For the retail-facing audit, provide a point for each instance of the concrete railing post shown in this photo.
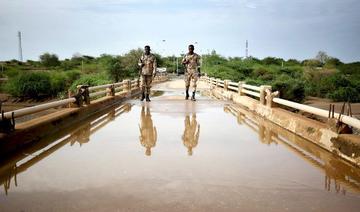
(110, 91)
(240, 87)
(270, 96)
(138, 83)
(217, 82)
(127, 86)
(70, 95)
(263, 88)
(226, 84)
(79, 96)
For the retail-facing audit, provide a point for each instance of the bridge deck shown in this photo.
(177, 155)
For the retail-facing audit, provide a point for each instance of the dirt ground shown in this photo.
(10, 103)
(324, 104)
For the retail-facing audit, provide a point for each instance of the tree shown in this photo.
(49, 60)
(322, 57)
(292, 62)
(130, 62)
(311, 63)
(333, 62)
(115, 69)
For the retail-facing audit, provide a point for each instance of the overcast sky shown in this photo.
(280, 28)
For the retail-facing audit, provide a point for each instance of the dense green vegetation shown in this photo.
(324, 76)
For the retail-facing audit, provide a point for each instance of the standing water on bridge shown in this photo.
(177, 155)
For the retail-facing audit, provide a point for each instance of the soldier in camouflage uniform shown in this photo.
(147, 64)
(192, 72)
(148, 133)
(191, 133)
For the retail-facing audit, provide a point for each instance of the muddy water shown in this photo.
(176, 155)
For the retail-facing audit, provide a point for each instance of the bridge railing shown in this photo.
(268, 97)
(83, 96)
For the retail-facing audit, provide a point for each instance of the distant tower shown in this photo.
(20, 48)
(247, 49)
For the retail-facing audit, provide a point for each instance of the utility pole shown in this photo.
(247, 49)
(177, 66)
(174, 64)
(20, 48)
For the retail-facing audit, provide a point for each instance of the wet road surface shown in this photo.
(177, 155)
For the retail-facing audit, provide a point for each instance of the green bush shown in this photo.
(272, 61)
(311, 63)
(345, 94)
(293, 71)
(290, 89)
(72, 75)
(32, 85)
(12, 72)
(224, 72)
(256, 82)
(115, 69)
(58, 83)
(90, 80)
(49, 60)
(263, 74)
(350, 68)
(89, 68)
(68, 65)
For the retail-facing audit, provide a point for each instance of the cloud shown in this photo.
(274, 27)
(251, 6)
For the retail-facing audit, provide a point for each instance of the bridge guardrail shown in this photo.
(84, 95)
(267, 97)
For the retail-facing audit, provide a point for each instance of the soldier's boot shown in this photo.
(193, 96)
(187, 94)
(147, 98)
(142, 96)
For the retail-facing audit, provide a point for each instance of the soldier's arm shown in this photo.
(198, 65)
(184, 60)
(155, 66)
(140, 63)
(197, 134)
(155, 134)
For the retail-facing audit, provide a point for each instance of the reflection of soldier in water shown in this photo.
(148, 134)
(191, 133)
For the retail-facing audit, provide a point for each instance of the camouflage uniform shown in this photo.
(191, 133)
(148, 67)
(192, 72)
(148, 134)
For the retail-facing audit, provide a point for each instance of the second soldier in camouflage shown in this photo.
(147, 63)
(192, 72)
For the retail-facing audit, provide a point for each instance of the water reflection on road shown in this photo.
(148, 133)
(338, 174)
(135, 156)
(191, 133)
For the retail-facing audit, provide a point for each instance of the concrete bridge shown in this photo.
(238, 148)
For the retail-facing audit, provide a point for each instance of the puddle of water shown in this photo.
(177, 155)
